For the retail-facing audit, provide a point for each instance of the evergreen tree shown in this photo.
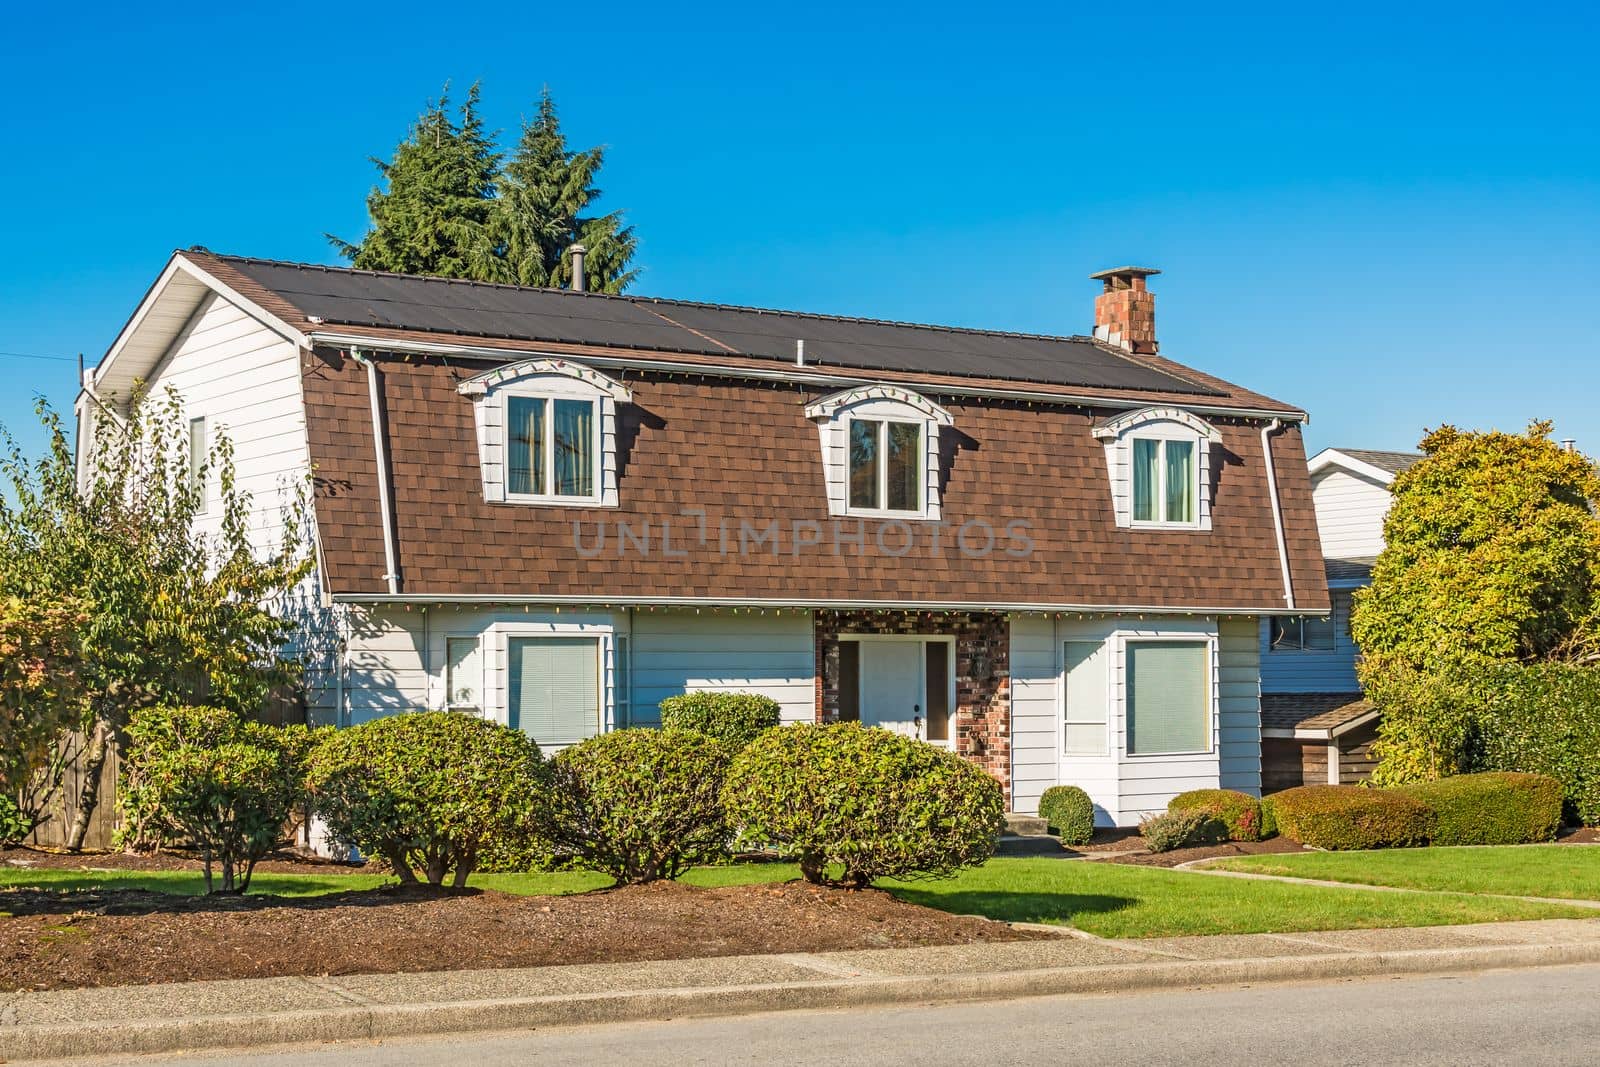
(539, 214)
(435, 216)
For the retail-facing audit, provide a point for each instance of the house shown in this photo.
(1316, 727)
(556, 508)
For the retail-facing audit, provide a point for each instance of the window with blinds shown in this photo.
(555, 688)
(1169, 697)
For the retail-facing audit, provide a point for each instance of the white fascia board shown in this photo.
(157, 292)
(1332, 457)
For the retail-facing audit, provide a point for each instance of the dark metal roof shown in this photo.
(1350, 570)
(1393, 462)
(339, 296)
(1311, 711)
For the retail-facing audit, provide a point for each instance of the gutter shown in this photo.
(343, 340)
(381, 453)
(480, 599)
(1277, 508)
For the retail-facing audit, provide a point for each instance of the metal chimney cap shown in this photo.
(581, 250)
(1131, 272)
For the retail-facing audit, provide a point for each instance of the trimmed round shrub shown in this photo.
(1495, 808)
(1352, 817)
(1240, 812)
(875, 803)
(430, 791)
(222, 783)
(642, 804)
(735, 719)
(1069, 812)
(1184, 828)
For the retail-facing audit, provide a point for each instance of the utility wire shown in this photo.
(37, 355)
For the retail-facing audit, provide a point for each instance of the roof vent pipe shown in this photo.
(799, 351)
(1569, 444)
(577, 267)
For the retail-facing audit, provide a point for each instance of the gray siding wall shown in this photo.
(1350, 511)
(679, 651)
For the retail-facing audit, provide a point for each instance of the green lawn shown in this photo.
(1102, 898)
(1567, 872)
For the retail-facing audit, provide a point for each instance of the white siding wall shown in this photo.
(679, 651)
(1035, 711)
(1125, 788)
(244, 379)
(396, 657)
(1350, 511)
(1292, 671)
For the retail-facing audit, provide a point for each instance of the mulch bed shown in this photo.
(1580, 835)
(1271, 846)
(277, 863)
(62, 940)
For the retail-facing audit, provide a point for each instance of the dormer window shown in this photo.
(1159, 463)
(880, 452)
(547, 433)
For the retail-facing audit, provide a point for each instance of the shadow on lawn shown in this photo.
(92, 896)
(1016, 907)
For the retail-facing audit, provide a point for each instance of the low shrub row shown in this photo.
(440, 795)
(1493, 808)
(1240, 813)
(1183, 828)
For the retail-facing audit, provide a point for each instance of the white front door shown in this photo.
(891, 686)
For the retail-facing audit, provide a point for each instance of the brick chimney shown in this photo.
(1125, 313)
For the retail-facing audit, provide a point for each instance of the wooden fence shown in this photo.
(57, 823)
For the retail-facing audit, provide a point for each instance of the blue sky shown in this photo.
(1388, 217)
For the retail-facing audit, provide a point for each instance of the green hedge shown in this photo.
(1352, 817)
(872, 802)
(1239, 812)
(1494, 808)
(642, 804)
(1068, 811)
(430, 791)
(1539, 718)
(735, 719)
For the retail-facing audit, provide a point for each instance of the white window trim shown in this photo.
(1208, 638)
(921, 510)
(499, 636)
(878, 403)
(549, 379)
(1161, 482)
(1158, 424)
(944, 639)
(596, 444)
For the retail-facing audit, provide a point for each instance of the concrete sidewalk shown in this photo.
(252, 1012)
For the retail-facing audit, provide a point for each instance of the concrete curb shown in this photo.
(374, 1021)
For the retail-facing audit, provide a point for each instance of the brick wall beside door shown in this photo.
(983, 674)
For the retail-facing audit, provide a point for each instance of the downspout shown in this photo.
(1277, 508)
(381, 452)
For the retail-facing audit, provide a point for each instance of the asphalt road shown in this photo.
(1522, 1017)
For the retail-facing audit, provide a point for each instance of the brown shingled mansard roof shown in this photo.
(717, 425)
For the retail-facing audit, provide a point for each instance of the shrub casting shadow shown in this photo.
(95, 898)
(1016, 907)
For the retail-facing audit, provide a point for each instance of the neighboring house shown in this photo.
(552, 508)
(1316, 727)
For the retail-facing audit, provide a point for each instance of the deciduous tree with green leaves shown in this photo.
(40, 696)
(179, 610)
(1492, 555)
(434, 217)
